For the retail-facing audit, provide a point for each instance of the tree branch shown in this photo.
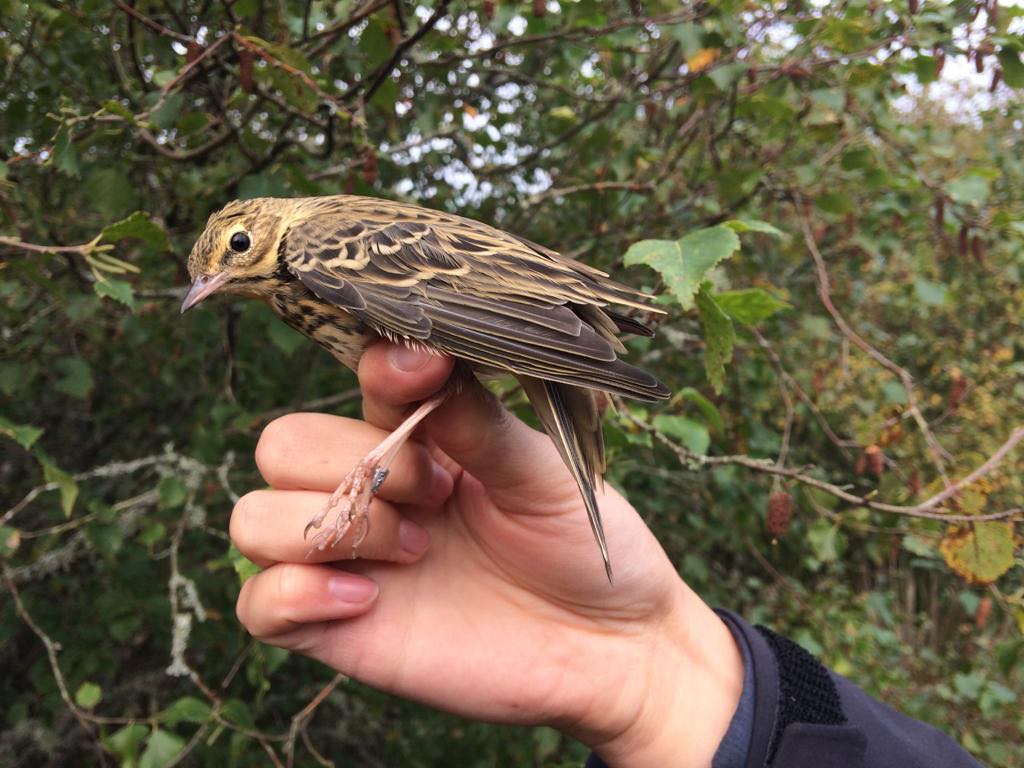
(929, 509)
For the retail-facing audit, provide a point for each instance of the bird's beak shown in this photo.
(202, 287)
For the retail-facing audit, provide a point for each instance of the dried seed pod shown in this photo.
(540, 8)
(192, 51)
(940, 211)
(940, 61)
(983, 611)
(957, 390)
(245, 62)
(997, 77)
(978, 249)
(979, 62)
(914, 483)
(488, 9)
(370, 166)
(861, 465)
(874, 461)
(913, 6)
(963, 240)
(780, 511)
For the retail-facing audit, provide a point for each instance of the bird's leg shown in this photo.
(352, 497)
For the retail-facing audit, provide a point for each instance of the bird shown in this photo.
(348, 270)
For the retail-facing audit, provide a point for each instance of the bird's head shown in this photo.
(237, 252)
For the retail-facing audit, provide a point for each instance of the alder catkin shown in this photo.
(874, 461)
(780, 512)
(245, 70)
(370, 167)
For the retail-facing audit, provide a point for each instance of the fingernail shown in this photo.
(412, 537)
(348, 588)
(408, 359)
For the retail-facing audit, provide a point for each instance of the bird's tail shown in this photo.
(569, 415)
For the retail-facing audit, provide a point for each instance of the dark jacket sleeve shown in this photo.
(805, 715)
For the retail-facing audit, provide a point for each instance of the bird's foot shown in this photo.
(351, 499)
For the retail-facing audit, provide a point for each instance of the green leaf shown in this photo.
(125, 742)
(724, 76)
(683, 263)
(752, 225)
(166, 115)
(88, 695)
(139, 226)
(23, 434)
(187, 709)
(118, 290)
(172, 491)
(65, 159)
(115, 107)
(931, 293)
(690, 433)
(824, 540)
(980, 553)
(164, 77)
(1013, 69)
(719, 338)
(75, 377)
(65, 483)
(244, 567)
(751, 305)
(284, 338)
(161, 748)
(237, 712)
(110, 192)
(705, 406)
(834, 202)
(971, 189)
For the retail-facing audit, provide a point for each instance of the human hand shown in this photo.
(479, 589)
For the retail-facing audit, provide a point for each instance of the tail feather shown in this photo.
(570, 417)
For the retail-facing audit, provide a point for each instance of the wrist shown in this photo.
(680, 686)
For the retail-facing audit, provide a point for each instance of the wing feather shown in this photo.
(468, 289)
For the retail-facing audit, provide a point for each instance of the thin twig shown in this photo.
(385, 70)
(302, 716)
(906, 380)
(599, 186)
(929, 509)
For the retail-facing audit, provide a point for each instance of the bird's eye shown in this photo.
(240, 242)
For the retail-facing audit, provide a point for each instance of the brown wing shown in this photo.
(467, 289)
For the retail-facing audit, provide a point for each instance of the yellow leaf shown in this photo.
(702, 59)
(980, 552)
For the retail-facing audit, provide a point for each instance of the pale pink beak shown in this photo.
(202, 287)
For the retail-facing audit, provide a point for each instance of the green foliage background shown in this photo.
(587, 126)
